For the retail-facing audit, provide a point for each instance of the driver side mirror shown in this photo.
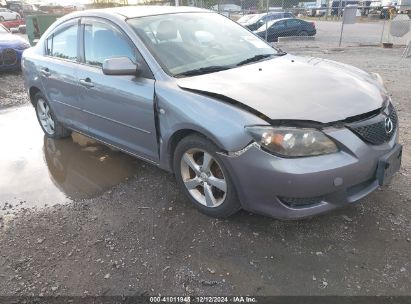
(120, 66)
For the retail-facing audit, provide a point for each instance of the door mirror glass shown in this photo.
(119, 66)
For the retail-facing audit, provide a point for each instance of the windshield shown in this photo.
(268, 25)
(245, 18)
(198, 41)
(255, 18)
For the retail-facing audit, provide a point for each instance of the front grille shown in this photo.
(377, 130)
(8, 57)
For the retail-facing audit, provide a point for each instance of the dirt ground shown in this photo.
(142, 236)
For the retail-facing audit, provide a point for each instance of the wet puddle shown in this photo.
(36, 171)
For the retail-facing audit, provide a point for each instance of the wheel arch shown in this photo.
(32, 92)
(177, 136)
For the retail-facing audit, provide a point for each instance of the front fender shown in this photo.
(221, 122)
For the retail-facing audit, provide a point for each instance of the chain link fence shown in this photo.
(375, 22)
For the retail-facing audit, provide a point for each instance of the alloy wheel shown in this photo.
(44, 114)
(203, 177)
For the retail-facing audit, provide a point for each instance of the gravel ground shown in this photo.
(142, 236)
(12, 90)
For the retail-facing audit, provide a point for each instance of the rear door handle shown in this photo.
(86, 82)
(45, 72)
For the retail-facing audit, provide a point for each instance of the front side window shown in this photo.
(185, 42)
(63, 44)
(103, 42)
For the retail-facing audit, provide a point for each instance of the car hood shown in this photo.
(294, 88)
(7, 40)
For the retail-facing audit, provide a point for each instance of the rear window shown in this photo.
(63, 44)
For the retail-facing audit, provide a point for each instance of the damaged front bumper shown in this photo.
(301, 187)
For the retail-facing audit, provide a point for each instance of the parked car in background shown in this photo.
(245, 18)
(13, 23)
(286, 27)
(29, 9)
(240, 123)
(321, 11)
(311, 9)
(256, 22)
(11, 48)
(6, 14)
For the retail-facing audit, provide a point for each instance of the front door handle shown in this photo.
(46, 72)
(87, 83)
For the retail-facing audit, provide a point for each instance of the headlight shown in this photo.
(292, 142)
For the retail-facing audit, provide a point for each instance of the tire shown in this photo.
(217, 203)
(18, 17)
(2, 19)
(303, 33)
(44, 115)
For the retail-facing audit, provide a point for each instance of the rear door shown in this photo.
(58, 73)
(294, 27)
(119, 109)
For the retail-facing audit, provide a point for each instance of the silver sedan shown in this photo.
(240, 123)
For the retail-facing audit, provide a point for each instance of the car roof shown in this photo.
(276, 20)
(147, 10)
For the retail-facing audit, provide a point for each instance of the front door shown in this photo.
(119, 109)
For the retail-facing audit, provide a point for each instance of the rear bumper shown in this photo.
(302, 187)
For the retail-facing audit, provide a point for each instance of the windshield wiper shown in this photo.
(204, 70)
(254, 59)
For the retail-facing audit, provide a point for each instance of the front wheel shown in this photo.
(2, 19)
(203, 177)
(48, 122)
(303, 33)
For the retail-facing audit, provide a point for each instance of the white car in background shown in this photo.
(6, 14)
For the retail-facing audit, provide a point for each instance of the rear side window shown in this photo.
(102, 42)
(63, 44)
(279, 25)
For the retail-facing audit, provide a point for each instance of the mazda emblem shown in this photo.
(389, 126)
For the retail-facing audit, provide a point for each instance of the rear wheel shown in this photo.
(2, 19)
(203, 177)
(18, 17)
(51, 127)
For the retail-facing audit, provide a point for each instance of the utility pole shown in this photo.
(266, 22)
